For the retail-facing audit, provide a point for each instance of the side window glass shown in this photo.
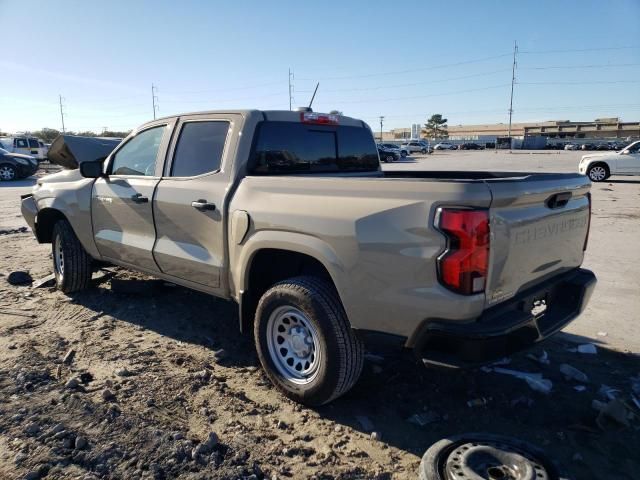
(21, 143)
(199, 149)
(138, 155)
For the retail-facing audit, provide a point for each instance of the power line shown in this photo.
(574, 50)
(563, 67)
(604, 82)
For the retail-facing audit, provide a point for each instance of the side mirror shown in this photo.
(91, 169)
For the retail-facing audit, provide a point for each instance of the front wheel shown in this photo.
(423, 151)
(598, 172)
(403, 154)
(71, 263)
(7, 172)
(389, 158)
(304, 341)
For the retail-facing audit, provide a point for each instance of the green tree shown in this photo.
(436, 126)
(47, 135)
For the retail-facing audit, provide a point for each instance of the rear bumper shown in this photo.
(508, 327)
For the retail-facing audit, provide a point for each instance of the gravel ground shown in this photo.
(160, 384)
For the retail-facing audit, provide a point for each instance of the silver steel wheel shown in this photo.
(293, 344)
(7, 172)
(597, 173)
(58, 257)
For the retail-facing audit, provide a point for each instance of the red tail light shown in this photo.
(319, 118)
(586, 239)
(464, 265)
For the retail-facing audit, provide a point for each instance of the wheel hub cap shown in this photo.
(293, 345)
(597, 173)
(492, 461)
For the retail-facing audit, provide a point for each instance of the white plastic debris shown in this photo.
(608, 392)
(579, 388)
(588, 348)
(486, 369)
(534, 380)
(543, 359)
(602, 334)
(572, 373)
(502, 361)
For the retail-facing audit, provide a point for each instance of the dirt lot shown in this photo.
(154, 373)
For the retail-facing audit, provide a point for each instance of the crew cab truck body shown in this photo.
(290, 215)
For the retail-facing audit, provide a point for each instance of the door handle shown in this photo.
(139, 198)
(201, 204)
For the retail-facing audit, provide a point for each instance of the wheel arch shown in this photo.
(271, 261)
(46, 219)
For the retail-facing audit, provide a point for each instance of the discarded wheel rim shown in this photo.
(486, 457)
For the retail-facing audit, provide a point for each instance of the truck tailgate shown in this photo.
(539, 224)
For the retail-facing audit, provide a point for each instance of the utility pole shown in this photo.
(381, 120)
(290, 88)
(513, 81)
(154, 99)
(61, 113)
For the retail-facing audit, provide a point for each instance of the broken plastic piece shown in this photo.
(572, 373)
(589, 348)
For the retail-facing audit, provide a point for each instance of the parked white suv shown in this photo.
(599, 167)
(413, 146)
(444, 146)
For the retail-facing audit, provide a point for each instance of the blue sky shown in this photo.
(406, 60)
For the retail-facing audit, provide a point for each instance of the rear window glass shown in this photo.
(33, 143)
(290, 147)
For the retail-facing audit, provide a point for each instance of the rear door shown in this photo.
(121, 203)
(539, 225)
(189, 206)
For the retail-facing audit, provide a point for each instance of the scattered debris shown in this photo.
(534, 380)
(365, 423)
(376, 436)
(422, 419)
(614, 410)
(608, 392)
(572, 373)
(48, 281)
(502, 361)
(478, 402)
(19, 278)
(543, 359)
(580, 388)
(602, 334)
(123, 372)
(107, 395)
(588, 348)
(68, 358)
(72, 384)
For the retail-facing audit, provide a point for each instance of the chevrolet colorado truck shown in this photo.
(290, 215)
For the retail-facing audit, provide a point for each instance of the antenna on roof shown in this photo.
(314, 95)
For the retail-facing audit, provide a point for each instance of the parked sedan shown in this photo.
(388, 155)
(15, 165)
(395, 149)
(444, 146)
(470, 146)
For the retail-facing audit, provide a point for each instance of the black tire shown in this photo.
(341, 358)
(389, 158)
(8, 172)
(594, 172)
(423, 151)
(403, 154)
(74, 274)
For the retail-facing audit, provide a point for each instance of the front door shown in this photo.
(629, 162)
(122, 201)
(188, 205)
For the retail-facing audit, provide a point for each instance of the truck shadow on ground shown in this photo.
(411, 407)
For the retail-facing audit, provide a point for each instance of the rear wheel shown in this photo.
(403, 153)
(71, 263)
(7, 172)
(423, 151)
(598, 172)
(304, 341)
(389, 158)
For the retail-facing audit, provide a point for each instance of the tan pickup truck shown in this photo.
(289, 215)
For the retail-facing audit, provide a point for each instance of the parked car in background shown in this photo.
(599, 167)
(444, 146)
(414, 146)
(388, 155)
(587, 146)
(603, 147)
(390, 148)
(470, 146)
(14, 166)
(24, 144)
(571, 146)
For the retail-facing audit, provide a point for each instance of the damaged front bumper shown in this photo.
(29, 210)
(509, 327)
